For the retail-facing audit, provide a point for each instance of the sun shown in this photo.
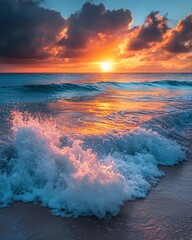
(106, 66)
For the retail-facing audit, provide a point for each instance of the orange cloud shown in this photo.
(180, 40)
(156, 47)
(94, 32)
(36, 39)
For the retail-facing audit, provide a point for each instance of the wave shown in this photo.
(175, 125)
(169, 83)
(156, 84)
(74, 180)
(98, 86)
(51, 88)
(173, 83)
(54, 88)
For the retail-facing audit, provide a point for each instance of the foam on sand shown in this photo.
(74, 181)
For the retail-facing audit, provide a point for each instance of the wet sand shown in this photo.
(166, 213)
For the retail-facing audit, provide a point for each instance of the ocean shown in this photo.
(84, 144)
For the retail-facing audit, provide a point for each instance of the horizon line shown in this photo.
(95, 72)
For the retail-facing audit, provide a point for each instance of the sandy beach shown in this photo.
(164, 214)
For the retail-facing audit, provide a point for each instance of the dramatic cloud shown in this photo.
(150, 32)
(180, 40)
(34, 37)
(27, 31)
(93, 25)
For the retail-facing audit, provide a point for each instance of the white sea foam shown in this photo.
(74, 181)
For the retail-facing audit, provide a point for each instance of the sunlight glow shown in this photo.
(106, 66)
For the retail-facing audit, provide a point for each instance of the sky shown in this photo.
(95, 36)
(176, 9)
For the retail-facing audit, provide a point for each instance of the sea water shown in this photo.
(84, 144)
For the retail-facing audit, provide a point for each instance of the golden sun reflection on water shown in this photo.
(111, 112)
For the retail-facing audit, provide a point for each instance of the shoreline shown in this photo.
(165, 213)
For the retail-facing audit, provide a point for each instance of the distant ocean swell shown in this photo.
(71, 176)
(62, 87)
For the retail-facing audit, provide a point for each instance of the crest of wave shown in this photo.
(73, 181)
(70, 180)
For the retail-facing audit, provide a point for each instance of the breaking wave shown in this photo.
(74, 179)
(59, 87)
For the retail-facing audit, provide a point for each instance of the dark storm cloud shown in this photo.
(92, 20)
(27, 30)
(151, 31)
(180, 40)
